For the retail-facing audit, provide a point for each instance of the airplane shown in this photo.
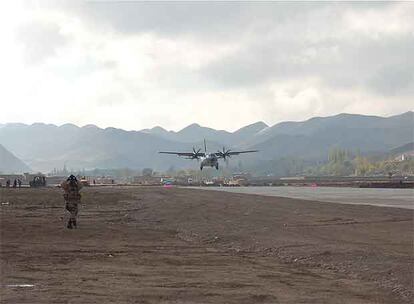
(208, 159)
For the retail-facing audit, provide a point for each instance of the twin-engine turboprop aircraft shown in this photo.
(208, 159)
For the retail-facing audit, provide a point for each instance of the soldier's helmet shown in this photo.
(72, 178)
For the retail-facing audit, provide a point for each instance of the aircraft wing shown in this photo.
(188, 154)
(231, 153)
(241, 152)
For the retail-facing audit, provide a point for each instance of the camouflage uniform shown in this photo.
(72, 198)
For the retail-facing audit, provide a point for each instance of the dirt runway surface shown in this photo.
(158, 245)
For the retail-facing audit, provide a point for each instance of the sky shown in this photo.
(136, 65)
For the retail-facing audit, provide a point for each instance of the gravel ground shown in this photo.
(158, 245)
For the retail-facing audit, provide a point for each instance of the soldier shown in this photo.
(72, 198)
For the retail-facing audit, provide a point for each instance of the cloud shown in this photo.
(340, 56)
(214, 20)
(138, 64)
(393, 80)
(40, 40)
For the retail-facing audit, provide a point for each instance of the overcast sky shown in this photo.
(224, 65)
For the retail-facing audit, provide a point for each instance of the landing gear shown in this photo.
(217, 166)
(201, 168)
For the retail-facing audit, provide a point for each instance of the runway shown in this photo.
(397, 198)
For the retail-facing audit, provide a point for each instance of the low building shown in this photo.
(101, 180)
(404, 156)
(147, 180)
(240, 179)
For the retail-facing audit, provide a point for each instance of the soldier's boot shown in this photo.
(69, 226)
(74, 223)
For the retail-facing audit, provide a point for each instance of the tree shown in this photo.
(363, 166)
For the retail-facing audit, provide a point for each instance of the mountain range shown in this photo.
(10, 163)
(45, 147)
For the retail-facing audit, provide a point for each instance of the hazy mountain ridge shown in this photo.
(10, 163)
(195, 132)
(370, 134)
(342, 121)
(407, 148)
(46, 146)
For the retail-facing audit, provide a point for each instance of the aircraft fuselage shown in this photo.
(210, 160)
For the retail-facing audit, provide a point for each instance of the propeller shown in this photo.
(195, 154)
(225, 154)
